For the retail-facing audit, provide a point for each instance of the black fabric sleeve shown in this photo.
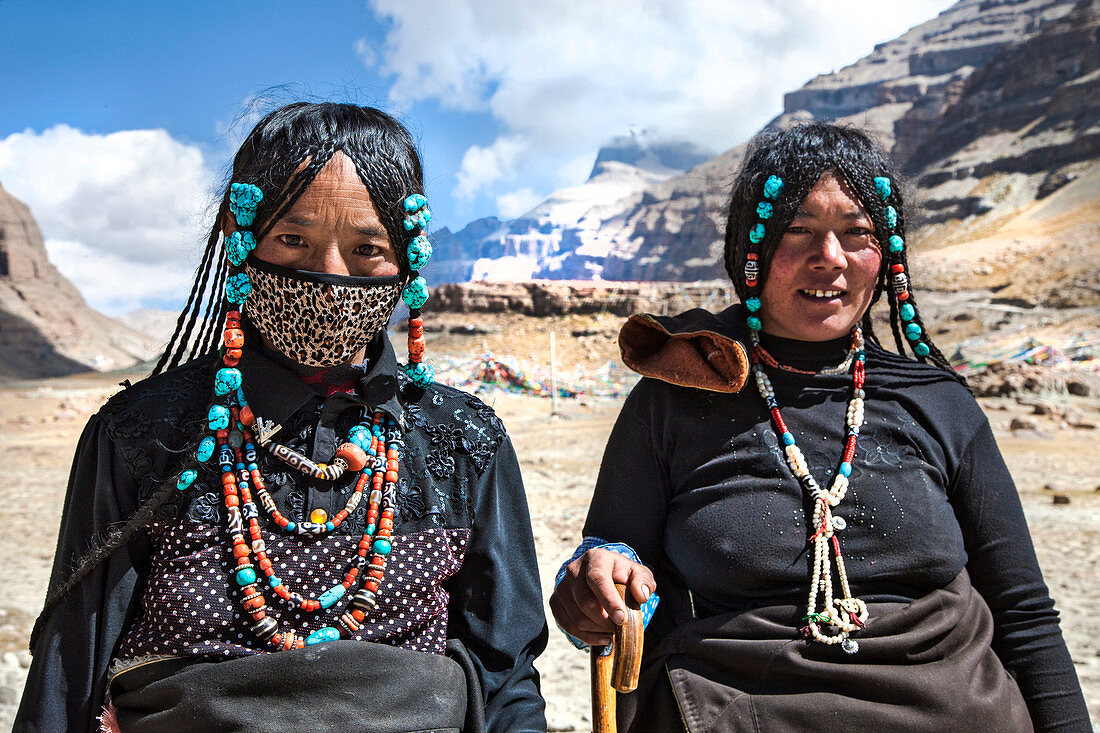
(1003, 568)
(496, 600)
(67, 678)
(630, 501)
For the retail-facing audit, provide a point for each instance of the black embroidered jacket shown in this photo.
(463, 562)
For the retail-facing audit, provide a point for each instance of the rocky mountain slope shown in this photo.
(992, 110)
(46, 328)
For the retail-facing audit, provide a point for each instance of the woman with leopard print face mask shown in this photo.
(287, 526)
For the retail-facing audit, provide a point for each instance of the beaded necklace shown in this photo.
(373, 449)
(846, 614)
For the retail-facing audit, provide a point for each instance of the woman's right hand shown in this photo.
(586, 604)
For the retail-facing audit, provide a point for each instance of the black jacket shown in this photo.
(458, 472)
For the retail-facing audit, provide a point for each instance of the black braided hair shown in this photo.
(800, 155)
(282, 155)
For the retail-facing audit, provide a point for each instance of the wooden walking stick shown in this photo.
(617, 670)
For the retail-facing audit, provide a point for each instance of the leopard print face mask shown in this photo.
(315, 318)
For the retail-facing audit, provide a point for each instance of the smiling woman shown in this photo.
(830, 526)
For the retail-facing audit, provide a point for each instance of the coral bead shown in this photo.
(246, 416)
(353, 455)
(234, 338)
(416, 347)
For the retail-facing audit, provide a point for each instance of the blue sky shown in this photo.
(117, 119)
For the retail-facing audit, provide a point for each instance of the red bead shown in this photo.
(234, 338)
(355, 456)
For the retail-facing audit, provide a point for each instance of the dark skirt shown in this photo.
(346, 686)
(921, 666)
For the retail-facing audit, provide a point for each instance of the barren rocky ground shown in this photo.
(1044, 431)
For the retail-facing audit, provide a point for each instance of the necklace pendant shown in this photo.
(850, 646)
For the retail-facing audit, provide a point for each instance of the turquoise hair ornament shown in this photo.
(907, 312)
(764, 210)
(913, 331)
(238, 245)
(883, 186)
(756, 234)
(753, 304)
(244, 199)
(420, 251)
(753, 323)
(897, 244)
(419, 220)
(773, 187)
(420, 373)
(237, 288)
(415, 201)
(921, 349)
(891, 217)
(415, 293)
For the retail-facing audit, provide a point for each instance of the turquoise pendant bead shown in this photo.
(186, 479)
(227, 380)
(883, 186)
(897, 244)
(218, 417)
(416, 293)
(907, 311)
(381, 546)
(245, 576)
(205, 449)
(329, 597)
(891, 217)
(325, 633)
(237, 288)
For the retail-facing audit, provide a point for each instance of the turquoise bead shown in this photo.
(414, 202)
(186, 479)
(754, 323)
(245, 576)
(291, 526)
(897, 244)
(756, 234)
(218, 417)
(420, 251)
(325, 633)
(416, 292)
(329, 597)
(753, 304)
(913, 331)
(845, 468)
(381, 546)
(883, 186)
(227, 380)
(371, 528)
(773, 187)
(422, 374)
(788, 439)
(238, 245)
(891, 217)
(274, 581)
(921, 350)
(244, 198)
(908, 312)
(764, 210)
(237, 288)
(205, 449)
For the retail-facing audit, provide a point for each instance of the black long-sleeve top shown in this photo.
(459, 477)
(696, 482)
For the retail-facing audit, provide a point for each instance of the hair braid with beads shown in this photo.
(282, 155)
(800, 155)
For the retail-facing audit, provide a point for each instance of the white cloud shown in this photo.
(124, 214)
(481, 167)
(515, 203)
(568, 76)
